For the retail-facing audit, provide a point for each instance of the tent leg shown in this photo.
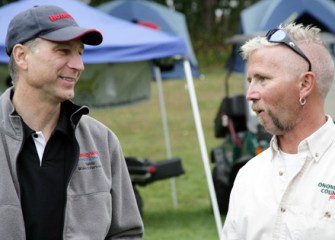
(158, 77)
(201, 139)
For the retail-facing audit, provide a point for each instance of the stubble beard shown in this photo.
(279, 127)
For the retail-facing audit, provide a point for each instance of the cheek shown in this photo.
(282, 102)
(283, 94)
(285, 107)
(275, 96)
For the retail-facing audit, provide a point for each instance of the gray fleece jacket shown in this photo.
(100, 199)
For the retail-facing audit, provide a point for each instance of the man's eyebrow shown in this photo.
(69, 44)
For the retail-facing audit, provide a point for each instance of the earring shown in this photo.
(302, 101)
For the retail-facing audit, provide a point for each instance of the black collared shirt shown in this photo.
(43, 187)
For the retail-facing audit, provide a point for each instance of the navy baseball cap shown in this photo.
(50, 23)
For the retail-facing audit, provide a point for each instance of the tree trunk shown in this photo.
(208, 16)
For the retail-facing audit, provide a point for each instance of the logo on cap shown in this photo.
(60, 16)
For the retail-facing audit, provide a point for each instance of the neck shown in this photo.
(307, 125)
(37, 114)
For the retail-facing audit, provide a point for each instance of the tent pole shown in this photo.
(201, 139)
(158, 77)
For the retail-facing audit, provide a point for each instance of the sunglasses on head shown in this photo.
(278, 35)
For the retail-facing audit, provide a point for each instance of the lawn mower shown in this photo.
(144, 171)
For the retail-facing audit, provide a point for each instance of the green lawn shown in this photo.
(139, 128)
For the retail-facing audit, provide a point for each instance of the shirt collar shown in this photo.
(274, 145)
(68, 109)
(69, 117)
(63, 124)
(316, 144)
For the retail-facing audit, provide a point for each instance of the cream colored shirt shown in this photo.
(267, 205)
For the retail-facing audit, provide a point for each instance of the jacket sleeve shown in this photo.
(126, 219)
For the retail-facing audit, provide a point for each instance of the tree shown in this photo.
(210, 22)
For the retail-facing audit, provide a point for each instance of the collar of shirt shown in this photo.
(62, 125)
(314, 145)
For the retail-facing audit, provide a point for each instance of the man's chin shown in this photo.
(67, 97)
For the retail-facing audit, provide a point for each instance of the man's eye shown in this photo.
(262, 78)
(63, 50)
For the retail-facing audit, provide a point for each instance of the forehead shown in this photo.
(274, 55)
(274, 60)
(279, 52)
(77, 43)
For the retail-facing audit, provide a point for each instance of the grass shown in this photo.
(139, 128)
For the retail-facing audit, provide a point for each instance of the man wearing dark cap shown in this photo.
(63, 174)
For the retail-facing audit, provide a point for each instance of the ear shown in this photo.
(19, 54)
(307, 83)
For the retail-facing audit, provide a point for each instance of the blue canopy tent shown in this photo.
(123, 42)
(163, 18)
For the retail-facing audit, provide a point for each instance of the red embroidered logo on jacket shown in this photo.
(89, 161)
(60, 16)
(89, 155)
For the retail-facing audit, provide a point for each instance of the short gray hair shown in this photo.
(12, 67)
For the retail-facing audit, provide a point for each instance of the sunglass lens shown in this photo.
(277, 35)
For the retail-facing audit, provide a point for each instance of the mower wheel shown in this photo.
(222, 192)
(139, 200)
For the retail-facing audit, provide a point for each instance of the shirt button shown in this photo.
(35, 135)
(327, 214)
(281, 173)
(282, 209)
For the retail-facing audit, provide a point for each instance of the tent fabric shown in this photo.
(279, 11)
(167, 20)
(268, 14)
(123, 41)
(106, 84)
(113, 85)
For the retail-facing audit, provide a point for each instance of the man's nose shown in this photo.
(252, 92)
(76, 62)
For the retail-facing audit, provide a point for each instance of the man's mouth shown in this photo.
(68, 79)
(257, 110)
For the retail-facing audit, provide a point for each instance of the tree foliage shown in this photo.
(210, 22)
